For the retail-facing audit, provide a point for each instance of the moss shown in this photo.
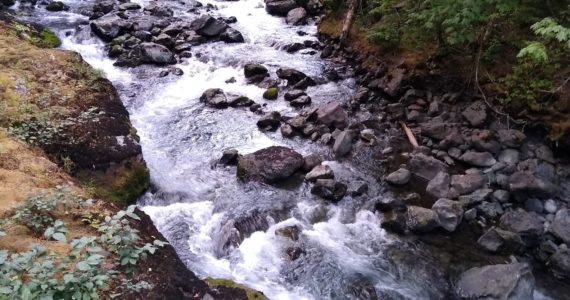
(251, 293)
(46, 39)
(271, 93)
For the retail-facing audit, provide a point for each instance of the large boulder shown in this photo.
(269, 121)
(296, 16)
(279, 7)
(425, 166)
(421, 219)
(232, 36)
(109, 27)
(269, 165)
(501, 241)
(497, 282)
(449, 213)
(561, 225)
(214, 98)
(527, 225)
(251, 70)
(156, 54)
(333, 115)
(208, 26)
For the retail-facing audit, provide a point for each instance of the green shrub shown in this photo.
(385, 35)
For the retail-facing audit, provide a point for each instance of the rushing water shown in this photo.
(194, 202)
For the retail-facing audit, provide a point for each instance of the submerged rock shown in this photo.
(421, 219)
(269, 165)
(329, 189)
(501, 282)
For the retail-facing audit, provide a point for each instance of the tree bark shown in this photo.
(348, 20)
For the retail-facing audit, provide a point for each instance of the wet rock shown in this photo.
(421, 219)
(164, 39)
(501, 196)
(214, 98)
(156, 54)
(208, 26)
(523, 223)
(490, 210)
(294, 94)
(483, 140)
(279, 7)
(287, 130)
(437, 130)
(476, 113)
(240, 101)
(251, 70)
(129, 6)
(329, 189)
(269, 165)
(291, 75)
(561, 225)
(271, 93)
(535, 205)
(311, 161)
(296, 16)
(479, 159)
(102, 8)
(550, 206)
(358, 188)
(333, 115)
(395, 221)
(449, 213)
(159, 10)
(476, 197)
(343, 144)
(301, 101)
(526, 183)
(297, 122)
(290, 232)
(438, 187)
(294, 252)
(232, 36)
(320, 172)
(511, 138)
(560, 263)
(505, 282)
(108, 27)
(56, 6)
(388, 203)
(425, 166)
(468, 183)
(399, 177)
(501, 241)
(509, 156)
(229, 157)
(269, 121)
(368, 136)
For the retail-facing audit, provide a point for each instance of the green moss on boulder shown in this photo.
(251, 293)
(271, 93)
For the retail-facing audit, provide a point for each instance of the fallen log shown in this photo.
(348, 20)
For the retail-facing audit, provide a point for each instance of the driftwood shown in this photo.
(410, 135)
(348, 20)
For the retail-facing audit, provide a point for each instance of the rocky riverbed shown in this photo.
(279, 160)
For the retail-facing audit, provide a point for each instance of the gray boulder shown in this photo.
(343, 143)
(329, 189)
(449, 213)
(269, 165)
(109, 27)
(333, 115)
(279, 7)
(526, 183)
(208, 26)
(560, 263)
(468, 183)
(511, 138)
(296, 16)
(232, 36)
(421, 219)
(292, 76)
(269, 121)
(425, 166)
(438, 187)
(478, 159)
(214, 98)
(251, 70)
(320, 172)
(311, 161)
(156, 54)
(501, 241)
(561, 225)
(476, 113)
(527, 225)
(399, 177)
(497, 282)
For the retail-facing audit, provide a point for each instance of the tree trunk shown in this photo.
(348, 20)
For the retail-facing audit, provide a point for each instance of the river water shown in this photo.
(194, 202)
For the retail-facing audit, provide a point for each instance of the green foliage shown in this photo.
(43, 37)
(87, 72)
(385, 35)
(535, 52)
(549, 29)
(57, 231)
(524, 85)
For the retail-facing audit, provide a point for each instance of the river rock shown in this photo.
(296, 16)
(511, 138)
(395, 221)
(269, 165)
(320, 172)
(291, 75)
(333, 115)
(102, 8)
(164, 39)
(269, 121)
(232, 36)
(561, 225)
(251, 70)
(468, 183)
(501, 241)
(438, 187)
(240, 101)
(301, 101)
(56, 6)
(425, 166)
(560, 263)
(156, 54)
(214, 98)
(208, 26)
(489, 210)
(497, 282)
(421, 219)
(343, 143)
(314, 7)
(449, 213)
(526, 183)
(543, 152)
(108, 27)
(287, 130)
(129, 6)
(311, 161)
(509, 156)
(399, 177)
(294, 94)
(527, 225)
(476, 113)
(271, 93)
(478, 159)
(279, 7)
(159, 10)
(329, 189)
(229, 157)
(290, 232)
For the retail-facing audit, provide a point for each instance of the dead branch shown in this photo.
(410, 135)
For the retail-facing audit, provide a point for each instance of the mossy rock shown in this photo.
(251, 293)
(271, 93)
(45, 39)
(56, 6)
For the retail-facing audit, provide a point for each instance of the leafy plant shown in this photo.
(57, 231)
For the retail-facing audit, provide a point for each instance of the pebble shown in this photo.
(550, 206)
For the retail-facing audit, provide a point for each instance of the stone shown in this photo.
(232, 36)
(158, 10)
(294, 252)
(526, 183)
(368, 135)
(320, 172)
(501, 196)
(535, 205)
(449, 213)
(388, 203)
(501, 282)
(279, 7)
(438, 187)
(301, 101)
(271, 93)
(214, 98)
(129, 6)
(523, 223)
(56, 6)
(511, 138)
(476, 197)
(476, 113)
(269, 165)
(269, 121)
(329, 189)
(156, 54)
(425, 166)
(395, 221)
(343, 144)
(311, 161)
(509, 156)
(550, 206)
(561, 225)
(496, 240)
(490, 210)
(240, 101)
(544, 153)
(287, 130)
(468, 183)
(229, 157)
(251, 70)
(333, 115)
(358, 188)
(108, 27)
(294, 94)
(470, 214)
(560, 263)
(296, 16)
(291, 75)
(483, 140)
(164, 39)
(399, 177)
(421, 219)
(208, 26)
(290, 232)
(437, 130)
(478, 159)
